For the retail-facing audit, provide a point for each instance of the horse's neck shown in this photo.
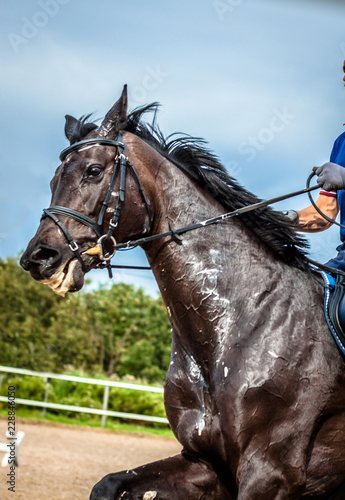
(212, 270)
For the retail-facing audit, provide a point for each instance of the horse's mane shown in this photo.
(191, 155)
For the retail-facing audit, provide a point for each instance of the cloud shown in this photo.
(221, 79)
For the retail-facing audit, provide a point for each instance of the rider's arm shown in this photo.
(310, 221)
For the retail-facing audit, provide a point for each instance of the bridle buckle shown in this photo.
(73, 246)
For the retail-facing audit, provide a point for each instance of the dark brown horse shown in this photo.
(255, 392)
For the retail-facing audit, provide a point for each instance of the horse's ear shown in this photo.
(116, 118)
(70, 127)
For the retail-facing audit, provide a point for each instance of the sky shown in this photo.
(260, 80)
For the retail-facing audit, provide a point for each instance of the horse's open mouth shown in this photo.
(63, 280)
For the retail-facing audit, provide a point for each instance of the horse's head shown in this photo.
(77, 232)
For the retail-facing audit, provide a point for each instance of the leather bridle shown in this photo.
(106, 239)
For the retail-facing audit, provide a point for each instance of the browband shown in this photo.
(89, 142)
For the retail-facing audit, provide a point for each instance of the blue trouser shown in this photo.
(339, 261)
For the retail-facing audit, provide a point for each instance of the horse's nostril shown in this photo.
(41, 259)
(44, 253)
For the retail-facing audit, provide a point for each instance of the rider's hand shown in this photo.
(330, 176)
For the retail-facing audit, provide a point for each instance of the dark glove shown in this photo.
(330, 176)
(292, 215)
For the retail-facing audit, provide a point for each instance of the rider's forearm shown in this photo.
(310, 221)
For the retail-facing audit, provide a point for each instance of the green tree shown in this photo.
(149, 354)
(132, 331)
(39, 330)
(71, 336)
(26, 312)
(119, 330)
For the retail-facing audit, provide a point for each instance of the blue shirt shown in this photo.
(338, 156)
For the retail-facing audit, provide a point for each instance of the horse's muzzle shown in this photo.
(41, 260)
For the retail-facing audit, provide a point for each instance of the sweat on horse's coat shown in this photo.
(255, 391)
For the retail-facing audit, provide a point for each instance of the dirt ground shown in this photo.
(63, 462)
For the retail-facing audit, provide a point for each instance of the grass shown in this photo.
(90, 421)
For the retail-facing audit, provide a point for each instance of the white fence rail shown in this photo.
(80, 409)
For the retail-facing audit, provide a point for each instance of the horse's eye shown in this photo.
(94, 171)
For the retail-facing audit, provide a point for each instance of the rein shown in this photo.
(215, 220)
(332, 221)
(121, 164)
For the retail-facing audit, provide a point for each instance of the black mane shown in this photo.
(192, 156)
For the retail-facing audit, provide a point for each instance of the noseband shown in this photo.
(105, 239)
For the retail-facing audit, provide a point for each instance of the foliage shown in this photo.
(119, 330)
(132, 332)
(26, 313)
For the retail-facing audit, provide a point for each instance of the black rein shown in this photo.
(121, 163)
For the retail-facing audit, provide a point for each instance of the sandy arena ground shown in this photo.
(63, 462)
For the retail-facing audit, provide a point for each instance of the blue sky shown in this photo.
(260, 80)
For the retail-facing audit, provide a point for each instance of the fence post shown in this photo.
(105, 404)
(46, 394)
